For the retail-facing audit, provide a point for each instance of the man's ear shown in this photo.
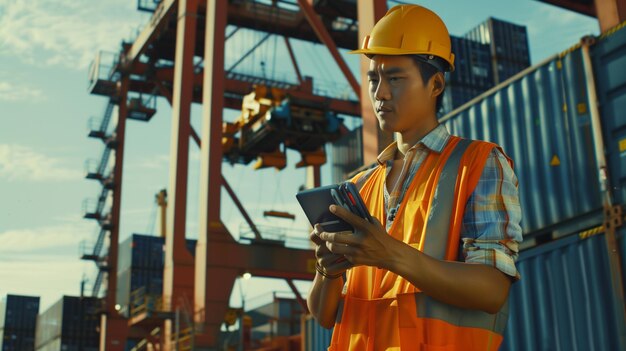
(438, 83)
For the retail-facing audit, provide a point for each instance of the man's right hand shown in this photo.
(332, 264)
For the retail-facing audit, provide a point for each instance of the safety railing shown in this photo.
(147, 5)
(142, 106)
(142, 302)
(102, 74)
(291, 237)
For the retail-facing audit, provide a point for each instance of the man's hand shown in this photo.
(332, 264)
(369, 245)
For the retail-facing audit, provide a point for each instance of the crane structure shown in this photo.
(180, 56)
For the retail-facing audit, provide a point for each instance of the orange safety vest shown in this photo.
(383, 311)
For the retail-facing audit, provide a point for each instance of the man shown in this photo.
(434, 270)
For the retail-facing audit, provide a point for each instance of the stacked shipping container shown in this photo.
(488, 55)
(542, 118)
(473, 73)
(140, 265)
(281, 317)
(71, 324)
(18, 320)
(508, 45)
(347, 154)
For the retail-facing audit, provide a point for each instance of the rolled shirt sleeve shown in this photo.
(491, 230)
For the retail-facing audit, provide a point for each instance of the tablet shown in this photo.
(315, 203)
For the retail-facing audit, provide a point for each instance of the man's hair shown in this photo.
(427, 71)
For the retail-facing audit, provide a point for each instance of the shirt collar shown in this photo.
(435, 140)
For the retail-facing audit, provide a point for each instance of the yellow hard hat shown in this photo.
(409, 30)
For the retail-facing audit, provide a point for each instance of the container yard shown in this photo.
(210, 116)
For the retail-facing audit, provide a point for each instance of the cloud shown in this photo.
(552, 29)
(157, 162)
(19, 162)
(64, 32)
(17, 92)
(56, 239)
(44, 261)
(49, 278)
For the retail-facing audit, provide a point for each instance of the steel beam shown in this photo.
(610, 13)
(293, 60)
(159, 19)
(612, 247)
(242, 210)
(374, 139)
(584, 8)
(299, 298)
(212, 285)
(114, 328)
(244, 56)
(241, 88)
(195, 137)
(276, 20)
(313, 177)
(178, 267)
(163, 91)
(326, 39)
(231, 192)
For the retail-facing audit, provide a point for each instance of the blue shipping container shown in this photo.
(542, 121)
(72, 323)
(18, 319)
(563, 301)
(609, 64)
(314, 336)
(566, 299)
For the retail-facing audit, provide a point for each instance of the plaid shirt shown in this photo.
(491, 227)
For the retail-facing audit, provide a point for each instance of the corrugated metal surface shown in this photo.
(281, 317)
(145, 252)
(347, 154)
(314, 336)
(508, 44)
(609, 61)
(563, 301)
(457, 95)
(472, 64)
(3, 307)
(140, 264)
(20, 312)
(539, 121)
(18, 317)
(69, 324)
(49, 325)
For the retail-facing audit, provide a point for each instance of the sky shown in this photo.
(46, 47)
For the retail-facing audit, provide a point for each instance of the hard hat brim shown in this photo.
(392, 52)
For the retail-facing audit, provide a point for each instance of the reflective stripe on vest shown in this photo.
(439, 220)
(427, 307)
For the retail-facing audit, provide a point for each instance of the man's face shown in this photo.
(401, 99)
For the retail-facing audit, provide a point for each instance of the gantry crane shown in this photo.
(163, 61)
